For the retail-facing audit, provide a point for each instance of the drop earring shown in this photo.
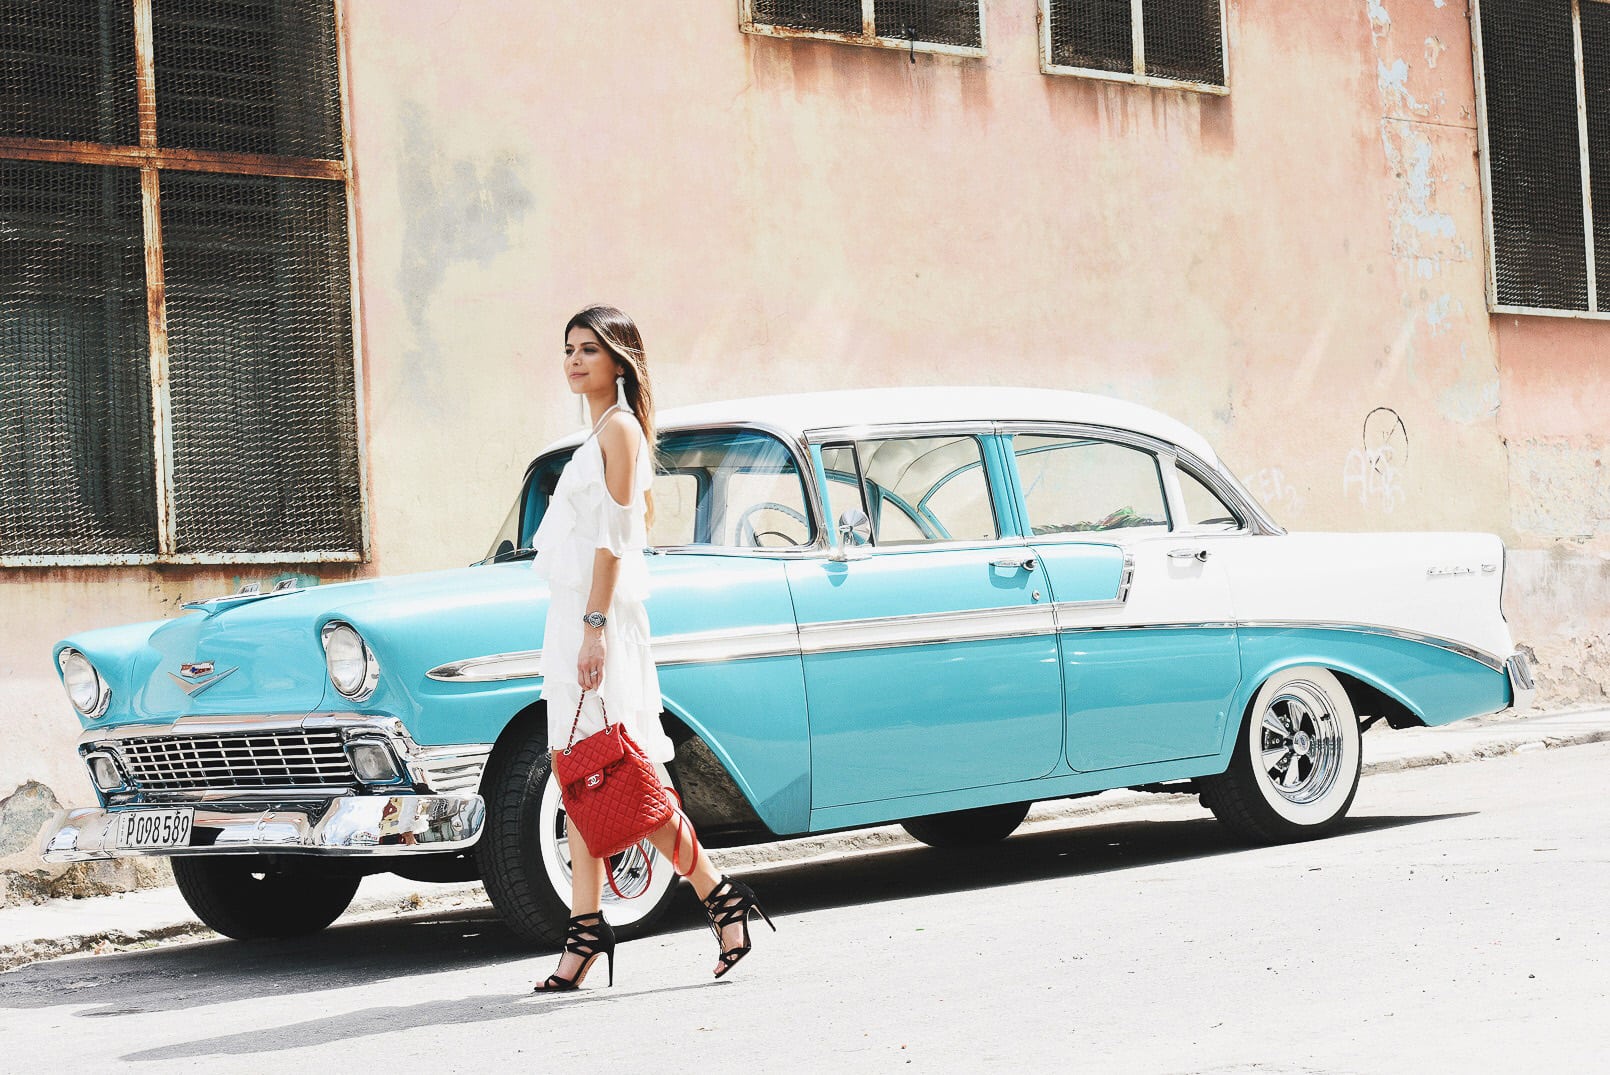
(620, 393)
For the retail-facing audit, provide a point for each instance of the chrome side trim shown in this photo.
(1208, 625)
(521, 664)
(731, 644)
(352, 825)
(927, 629)
(1463, 650)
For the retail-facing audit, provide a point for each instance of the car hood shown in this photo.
(265, 651)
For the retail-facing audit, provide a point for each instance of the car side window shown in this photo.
(1203, 507)
(676, 509)
(1080, 485)
(916, 490)
(729, 488)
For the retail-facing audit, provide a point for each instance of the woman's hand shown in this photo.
(590, 662)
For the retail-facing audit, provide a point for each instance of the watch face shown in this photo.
(594, 619)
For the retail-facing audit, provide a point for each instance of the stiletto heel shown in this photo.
(730, 903)
(588, 936)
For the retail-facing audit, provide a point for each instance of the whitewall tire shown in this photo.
(1296, 763)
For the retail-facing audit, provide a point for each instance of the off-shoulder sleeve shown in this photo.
(614, 530)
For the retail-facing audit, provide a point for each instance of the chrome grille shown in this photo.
(291, 757)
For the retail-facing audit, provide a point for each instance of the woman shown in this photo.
(590, 547)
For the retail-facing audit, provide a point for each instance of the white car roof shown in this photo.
(800, 413)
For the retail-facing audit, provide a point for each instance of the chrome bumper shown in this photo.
(345, 825)
(1522, 684)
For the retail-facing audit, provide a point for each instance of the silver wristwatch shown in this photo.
(595, 620)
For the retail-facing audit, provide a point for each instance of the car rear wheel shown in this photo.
(250, 898)
(524, 855)
(1296, 763)
(968, 828)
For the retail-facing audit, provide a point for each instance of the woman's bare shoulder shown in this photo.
(620, 431)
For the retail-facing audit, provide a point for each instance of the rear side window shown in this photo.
(1076, 485)
(1203, 507)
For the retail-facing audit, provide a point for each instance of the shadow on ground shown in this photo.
(369, 953)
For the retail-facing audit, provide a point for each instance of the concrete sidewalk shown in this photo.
(142, 919)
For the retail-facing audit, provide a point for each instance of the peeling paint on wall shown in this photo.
(1560, 486)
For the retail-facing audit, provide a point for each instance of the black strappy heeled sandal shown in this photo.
(588, 936)
(730, 903)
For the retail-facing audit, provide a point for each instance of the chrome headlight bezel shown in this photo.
(78, 671)
(348, 661)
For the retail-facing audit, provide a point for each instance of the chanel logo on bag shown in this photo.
(595, 780)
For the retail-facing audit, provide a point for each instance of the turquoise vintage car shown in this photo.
(929, 606)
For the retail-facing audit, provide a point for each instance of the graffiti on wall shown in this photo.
(1274, 491)
(1373, 472)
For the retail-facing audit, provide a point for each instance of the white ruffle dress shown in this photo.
(583, 517)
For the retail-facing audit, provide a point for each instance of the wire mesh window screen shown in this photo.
(1093, 34)
(260, 359)
(822, 16)
(248, 76)
(1596, 78)
(76, 471)
(938, 22)
(1184, 40)
(67, 71)
(1533, 154)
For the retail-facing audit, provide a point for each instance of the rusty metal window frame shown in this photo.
(868, 36)
(1593, 312)
(1137, 76)
(151, 159)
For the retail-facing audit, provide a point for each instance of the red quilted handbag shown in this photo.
(610, 789)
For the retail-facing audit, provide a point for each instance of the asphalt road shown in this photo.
(1457, 923)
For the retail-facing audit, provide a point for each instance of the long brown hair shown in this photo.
(618, 333)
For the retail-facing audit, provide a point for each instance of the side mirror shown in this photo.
(855, 530)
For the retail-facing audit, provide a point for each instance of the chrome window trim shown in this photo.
(1228, 488)
(894, 430)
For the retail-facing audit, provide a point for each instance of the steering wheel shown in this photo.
(745, 524)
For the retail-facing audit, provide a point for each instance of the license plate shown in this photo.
(143, 830)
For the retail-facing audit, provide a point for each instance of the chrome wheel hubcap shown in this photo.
(1300, 744)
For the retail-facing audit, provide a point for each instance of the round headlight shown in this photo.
(353, 669)
(85, 688)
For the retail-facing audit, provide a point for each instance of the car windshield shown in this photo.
(737, 489)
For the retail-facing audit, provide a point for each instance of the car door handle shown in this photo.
(1021, 563)
(1199, 555)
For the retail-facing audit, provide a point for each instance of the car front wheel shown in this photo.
(250, 898)
(524, 856)
(1296, 763)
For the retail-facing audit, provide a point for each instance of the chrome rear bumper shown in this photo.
(1522, 684)
(343, 825)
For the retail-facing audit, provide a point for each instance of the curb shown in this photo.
(760, 856)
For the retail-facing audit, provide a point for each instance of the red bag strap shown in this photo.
(648, 860)
(577, 721)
